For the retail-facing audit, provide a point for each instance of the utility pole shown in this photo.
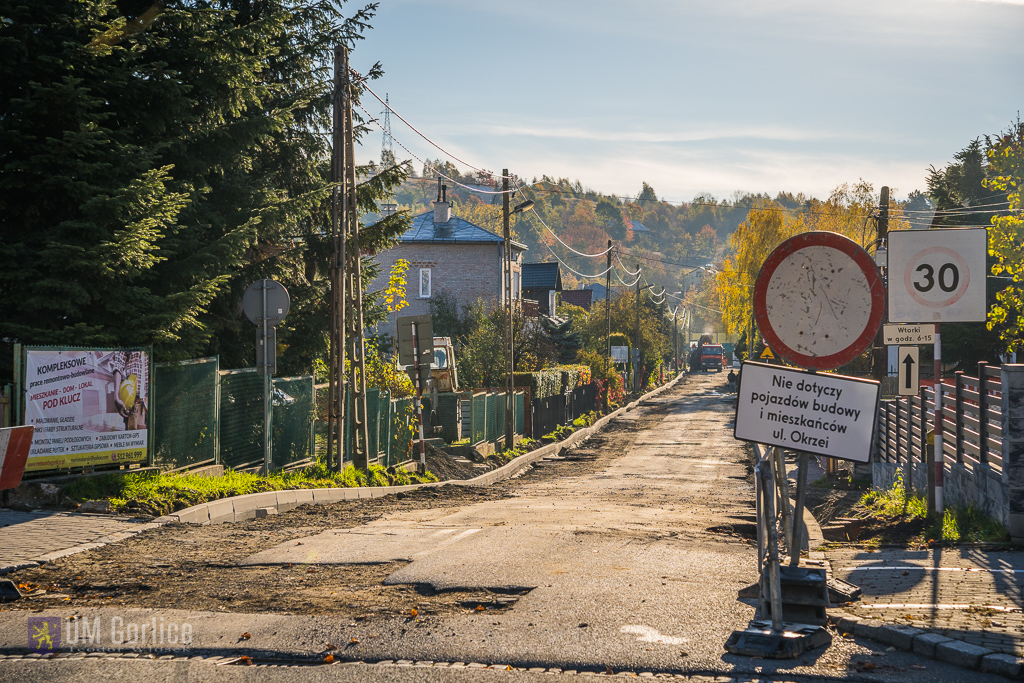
(608, 305)
(675, 342)
(636, 338)
(336, 350)
(349, 229)
(509, 367)
(880, 359)
(686, 346)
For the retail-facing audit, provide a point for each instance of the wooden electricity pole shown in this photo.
(336, 347)
(509, 366)
(346, 331)
(608, 305)
(353, 285)
(880, 358)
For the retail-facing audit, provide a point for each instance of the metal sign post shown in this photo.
(415, 344)
(938, 276)
(266, 303)
(819, 302)
(419, 393)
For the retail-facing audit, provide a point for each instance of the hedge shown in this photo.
(542, 384)
(553, 381)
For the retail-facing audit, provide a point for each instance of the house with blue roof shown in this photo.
(448, 253)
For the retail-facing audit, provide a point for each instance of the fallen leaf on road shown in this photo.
(354, 641)
(329, 658)
(245, 636)
(479, 608)
(246, 660)
(331, 647)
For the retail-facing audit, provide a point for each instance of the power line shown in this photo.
(628, 284)
(580, 253)
(575, 272)
(371, 118)
(415, 130)
(623, 266)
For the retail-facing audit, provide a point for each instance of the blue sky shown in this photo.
(698, 97)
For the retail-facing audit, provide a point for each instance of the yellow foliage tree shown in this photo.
(394, 293)
(766, 227)
(1006, 238)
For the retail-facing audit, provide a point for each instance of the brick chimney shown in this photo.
(442, 207)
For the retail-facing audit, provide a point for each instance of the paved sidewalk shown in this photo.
(31, 538)
(969, 594)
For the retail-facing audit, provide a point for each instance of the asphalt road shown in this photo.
(617, 558)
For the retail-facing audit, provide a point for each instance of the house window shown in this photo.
(517, 292)
(424, 283)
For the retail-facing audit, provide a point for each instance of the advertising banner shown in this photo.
(87, 407)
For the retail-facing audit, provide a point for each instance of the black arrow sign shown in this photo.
(909, 362)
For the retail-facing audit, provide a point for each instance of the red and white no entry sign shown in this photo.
(819, 300)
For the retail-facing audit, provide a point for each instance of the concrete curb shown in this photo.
(241, 508)
(932, 645)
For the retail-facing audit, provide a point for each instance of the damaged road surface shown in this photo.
(623, 554)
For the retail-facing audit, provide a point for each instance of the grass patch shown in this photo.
(561, 432)
(967, 525)
(521, 448)
(956, 525)
(895, 502)
(160, 493)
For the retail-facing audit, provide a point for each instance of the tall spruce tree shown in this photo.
(147, 178)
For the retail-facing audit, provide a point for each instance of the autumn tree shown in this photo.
(1006, 237)
(766, 227)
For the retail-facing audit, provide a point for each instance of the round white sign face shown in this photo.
(819, 300)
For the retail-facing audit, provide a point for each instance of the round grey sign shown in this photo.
(277, 300)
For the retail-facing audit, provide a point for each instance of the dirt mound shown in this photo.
(447, 466)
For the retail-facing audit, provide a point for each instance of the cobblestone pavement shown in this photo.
(965, 593)
(30, 538)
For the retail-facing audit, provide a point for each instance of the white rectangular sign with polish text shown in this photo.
(813, 412)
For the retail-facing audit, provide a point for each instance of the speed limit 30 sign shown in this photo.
(937, 275)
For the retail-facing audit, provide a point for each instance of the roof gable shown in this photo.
(542, 276)
(583, 298)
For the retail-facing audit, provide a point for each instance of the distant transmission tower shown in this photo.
(387, 151)
(387, 156)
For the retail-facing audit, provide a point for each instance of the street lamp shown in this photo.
(506, 213)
